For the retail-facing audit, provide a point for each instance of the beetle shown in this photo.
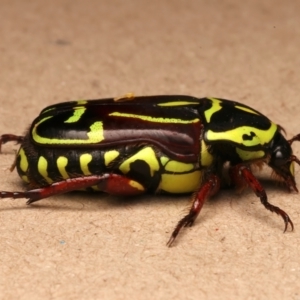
(156, 144)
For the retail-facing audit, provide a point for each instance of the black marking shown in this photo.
(230, 117)
(140, 171)
(249, 137)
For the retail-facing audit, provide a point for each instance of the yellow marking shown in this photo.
(42, 168)
(126, 97)
(95, 188)
(216, 106)
(153, 119)
(25, 178)
(147, 155)
(62, 162)
(180, 183)
(249, 155)
(136, 185)
(179, 103)
(84, 160)
(164, 160)
(249, 110)
(82, 102)
(292, 168)
(43, 120)
(23, 160)
(109, 156)
(95, 135)
(236, 135)
(206, 157)
(79, 103)
(78, 112)
(46, 110)
(178, 167)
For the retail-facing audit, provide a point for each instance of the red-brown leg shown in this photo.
(4, 138)
(210, 187)
(243, 172)
(111, 183)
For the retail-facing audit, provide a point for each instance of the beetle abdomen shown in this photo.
(147, 165)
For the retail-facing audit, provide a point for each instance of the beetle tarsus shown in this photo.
(209, 187)
(260, 192)
(14, 195)
(186, 221)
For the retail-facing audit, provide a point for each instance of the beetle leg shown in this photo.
(209, 187)
(4, 138)
(111, 183)
(244, 172)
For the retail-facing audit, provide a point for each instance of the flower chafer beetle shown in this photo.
(132, 145)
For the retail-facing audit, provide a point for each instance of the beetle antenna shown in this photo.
(281, 129)
(294, 139)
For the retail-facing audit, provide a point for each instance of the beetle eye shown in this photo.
(280, 150)
(278, 154)
(278, 158)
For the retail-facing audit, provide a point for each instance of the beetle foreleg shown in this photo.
(209, 187)
(111, 183)
(250, 179)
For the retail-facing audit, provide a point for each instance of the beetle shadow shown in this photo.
(90, 201)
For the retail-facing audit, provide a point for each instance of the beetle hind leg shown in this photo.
(209, 187)
(4, 138)
(110, 183)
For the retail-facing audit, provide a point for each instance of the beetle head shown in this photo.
(282, 160)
